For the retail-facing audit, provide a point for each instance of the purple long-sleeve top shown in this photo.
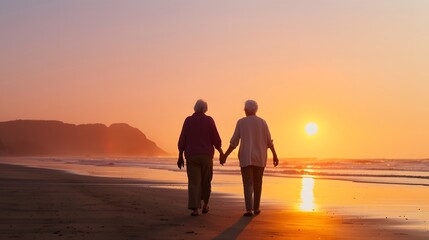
(199, 136)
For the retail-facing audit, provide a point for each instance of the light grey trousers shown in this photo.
(200, 174)
(252, 184)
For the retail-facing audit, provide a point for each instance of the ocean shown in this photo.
(387, 171)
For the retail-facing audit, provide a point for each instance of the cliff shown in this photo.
(39, 137)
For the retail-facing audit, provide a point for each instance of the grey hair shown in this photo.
(200, 106)
(251, 106)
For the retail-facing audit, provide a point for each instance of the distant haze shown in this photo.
(358, 69)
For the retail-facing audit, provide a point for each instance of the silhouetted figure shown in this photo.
(197, 139)
(255, 140)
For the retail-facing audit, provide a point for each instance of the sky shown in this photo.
(358, 69)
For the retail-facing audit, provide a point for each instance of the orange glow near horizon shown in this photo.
(307, 194)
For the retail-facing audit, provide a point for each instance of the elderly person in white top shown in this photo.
(255, 140)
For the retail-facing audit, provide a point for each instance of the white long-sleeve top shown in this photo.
(255, 140)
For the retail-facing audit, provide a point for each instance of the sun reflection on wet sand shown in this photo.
(307, 194)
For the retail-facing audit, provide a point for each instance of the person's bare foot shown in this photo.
(248, 214)
(195, 213)
(206, 209)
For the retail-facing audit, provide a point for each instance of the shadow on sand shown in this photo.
(234, 231)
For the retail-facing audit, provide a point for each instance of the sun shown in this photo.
(311, 128)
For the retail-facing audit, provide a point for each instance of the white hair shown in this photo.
(200, 106)
(251, 106)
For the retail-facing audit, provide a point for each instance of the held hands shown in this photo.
(180, 162)
(222, 158)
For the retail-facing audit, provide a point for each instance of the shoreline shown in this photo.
(47, 204)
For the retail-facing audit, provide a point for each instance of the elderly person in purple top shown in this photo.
(255, 140)
(197, 140)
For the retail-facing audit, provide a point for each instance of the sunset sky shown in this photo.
(359, 69)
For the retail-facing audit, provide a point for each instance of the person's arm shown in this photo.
(271, 146)
(181, 145)
(275, 159)
(221, 155)
(180, 161)
(216, 140)
(235, 140)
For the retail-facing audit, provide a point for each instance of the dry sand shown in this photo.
(49, 204)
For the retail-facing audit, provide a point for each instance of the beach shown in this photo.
(38, 203)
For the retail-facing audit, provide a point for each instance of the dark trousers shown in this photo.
(252, 184)
(200, 174)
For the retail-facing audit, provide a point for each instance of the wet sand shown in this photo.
(39, 203)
